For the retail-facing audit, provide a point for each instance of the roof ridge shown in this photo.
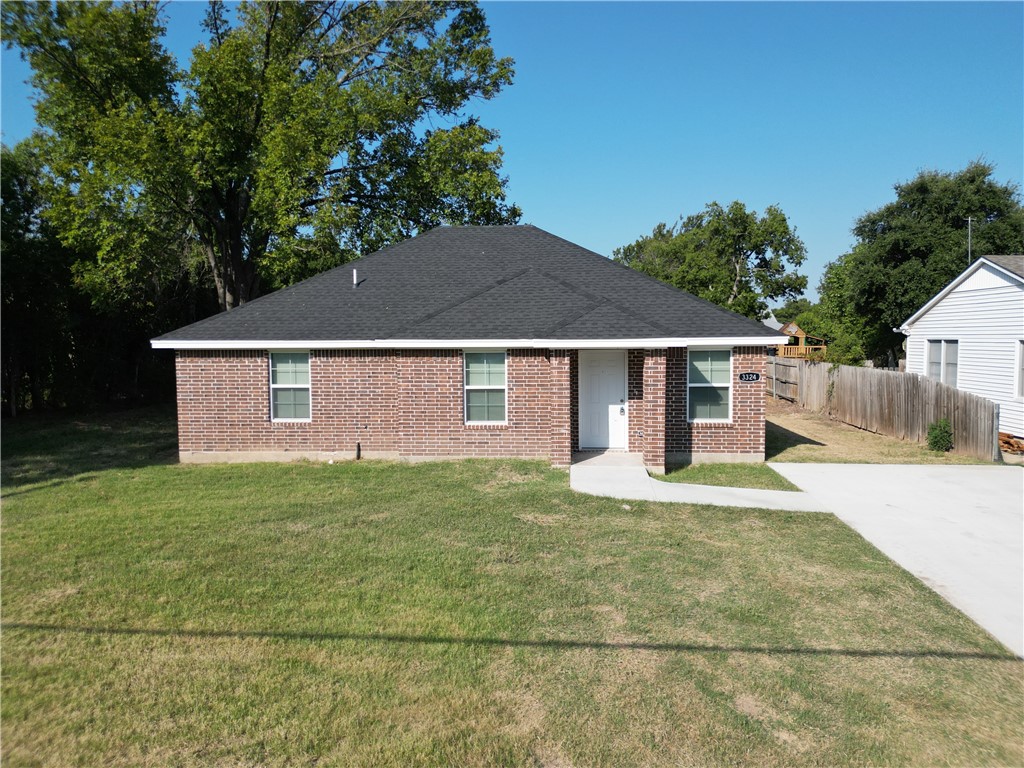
(462, 300)
(607, 305)
(482, 226)
(602, 300)
(653, 280)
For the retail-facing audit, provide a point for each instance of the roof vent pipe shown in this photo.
(355, 280)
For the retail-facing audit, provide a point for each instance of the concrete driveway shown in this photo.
(960, 529)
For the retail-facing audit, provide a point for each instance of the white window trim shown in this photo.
(690, 385)
(273, 386)
(1018, 384)
(466, 388)
(943, 346)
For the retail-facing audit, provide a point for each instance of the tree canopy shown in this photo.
(300, 135)
(831, 318)
(59, 347)
(791, 309)
(35, 267)
(730, 256)
(909, 249)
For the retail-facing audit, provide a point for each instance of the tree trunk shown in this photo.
(36, 389)
(13, 385)
(737, 273)
(218, 276)
(232, 262)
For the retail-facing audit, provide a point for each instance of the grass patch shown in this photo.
(798, 436)
(731, 476)
(471, 613)
(50, 447)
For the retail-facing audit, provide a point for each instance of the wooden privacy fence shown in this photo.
(783, 381)
(890, 403)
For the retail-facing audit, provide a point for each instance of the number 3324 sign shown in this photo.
(750, 377)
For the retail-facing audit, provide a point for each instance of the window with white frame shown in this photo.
(709, 384)
(484, 383)
(943, 359)
(289, 386)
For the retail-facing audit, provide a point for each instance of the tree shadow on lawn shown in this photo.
(507, 642)
(779, 439)
(52, 447)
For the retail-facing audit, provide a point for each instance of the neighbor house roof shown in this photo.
(1011, 265)
(771, 322)
(511, 286)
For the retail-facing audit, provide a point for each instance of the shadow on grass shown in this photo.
(778, 439)
(51, 447)
(556, 645)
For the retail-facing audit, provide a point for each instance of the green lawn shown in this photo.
(472, 613)
(731, 476)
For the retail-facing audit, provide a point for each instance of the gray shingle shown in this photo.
(1014, 263)
(515, 282)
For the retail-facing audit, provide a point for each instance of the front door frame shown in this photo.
(625, 399)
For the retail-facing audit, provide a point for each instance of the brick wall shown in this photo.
(635, 398)
(409, 404)
(654, 411)
(744, 435)
(560, 407)
(224, 403)
(406, 403)
(429, 402)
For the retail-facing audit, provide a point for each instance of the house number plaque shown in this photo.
(750, 377)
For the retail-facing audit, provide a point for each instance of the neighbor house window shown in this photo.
(1020, 368)
(289, 386)
(943, 358)
(485, 387)
(710, 380)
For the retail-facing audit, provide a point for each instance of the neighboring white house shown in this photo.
(971, 336)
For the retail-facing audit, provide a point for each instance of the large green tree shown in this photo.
(58, 346)
(909, 249)
(299, 136)
(792, 308)
(730, 256)
(33, 285)
(833, 320)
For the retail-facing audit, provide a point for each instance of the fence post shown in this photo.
(997, 455)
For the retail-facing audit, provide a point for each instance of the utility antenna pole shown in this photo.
(969, 222)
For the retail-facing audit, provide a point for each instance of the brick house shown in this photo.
(473, 341)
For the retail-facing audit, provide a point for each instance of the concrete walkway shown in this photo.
(960, 529)
(622, 476)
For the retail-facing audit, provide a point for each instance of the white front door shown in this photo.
(603, 399)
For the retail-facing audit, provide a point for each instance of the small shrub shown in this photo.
(940, 436)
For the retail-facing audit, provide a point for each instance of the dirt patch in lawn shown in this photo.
(506, 476)
(795, 435)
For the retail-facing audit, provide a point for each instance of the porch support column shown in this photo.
(654, 410)
(559, 398)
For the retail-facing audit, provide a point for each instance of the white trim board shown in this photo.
(303, 344)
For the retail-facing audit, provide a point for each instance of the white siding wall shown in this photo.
(985, 315)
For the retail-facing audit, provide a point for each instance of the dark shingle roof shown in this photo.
(516, 282)
(1013, 264)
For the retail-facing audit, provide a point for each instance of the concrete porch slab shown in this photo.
(607, 459)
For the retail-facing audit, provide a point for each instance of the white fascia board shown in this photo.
(659, 343)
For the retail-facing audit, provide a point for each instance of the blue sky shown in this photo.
(623, 115)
